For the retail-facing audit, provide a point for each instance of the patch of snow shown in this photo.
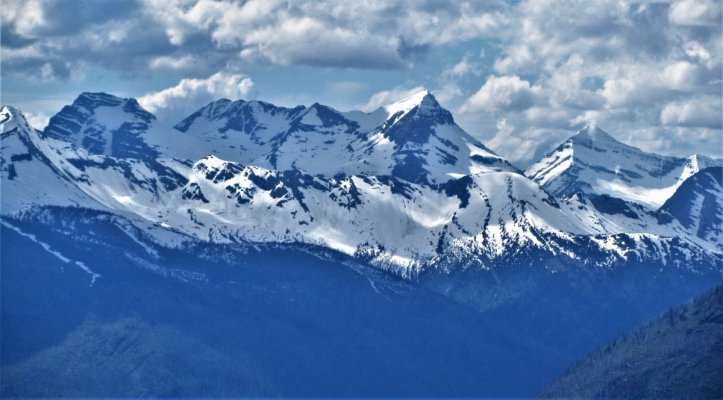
(46, 247)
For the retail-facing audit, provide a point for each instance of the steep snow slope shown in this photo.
(477, 219)
(104, 125)
(415, 139)
(28, 178)
(698, 204)
(114, 151)
(594, 163)
(38, 171)
(238, 130)
(420, 142)
(414, 191)
(384, 217)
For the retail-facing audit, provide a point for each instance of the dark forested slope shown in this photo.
(678, 355)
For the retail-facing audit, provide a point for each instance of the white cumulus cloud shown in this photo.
(699, 112)
(37, 120)
(175, 103)
(502, 93)
(696, 12)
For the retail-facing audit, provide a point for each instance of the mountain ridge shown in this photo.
(413, 192)
(592, 162)
(697, 204)
(414, 139)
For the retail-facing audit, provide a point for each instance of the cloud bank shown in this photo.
(532, 70)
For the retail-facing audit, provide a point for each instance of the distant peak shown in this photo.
(98, 98)
(592, 130)
(698, 161)
(414, 99)
(10, 111)
(419, 96)
(421, 100)
(699, 158)
(428, 99)
(593, 134)
(217, 106)
(222, 102)
(10, 118)
(324, 109)
(90, 101)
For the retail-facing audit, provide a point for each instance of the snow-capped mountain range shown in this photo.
(593, 163)
(403, 187)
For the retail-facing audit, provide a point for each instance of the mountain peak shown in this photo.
(591, 134)
(8, 112)
(92, 100)
(95, 99)
(421, 107)
(594, 163)
(11, 118)
(422, 99)
(102, 123)
(704, 161)
(239, 115)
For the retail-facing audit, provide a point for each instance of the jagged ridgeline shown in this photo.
(403, 188)
(254, 250)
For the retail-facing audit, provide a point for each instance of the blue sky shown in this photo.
(521, 76)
